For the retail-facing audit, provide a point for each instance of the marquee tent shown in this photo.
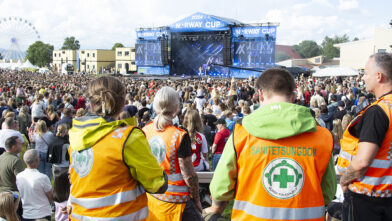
(27, 64)
(335, 71)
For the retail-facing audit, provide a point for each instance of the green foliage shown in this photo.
(356, 39)
(308, 49)
(117, 45)
(70, 43)
(329, 51)
(281, 56)
(40, 54)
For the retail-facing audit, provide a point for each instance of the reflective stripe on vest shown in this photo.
(175, 177)
(117, 198)
(178, 189)
(138, 215)
(374, 181)
(279, 213)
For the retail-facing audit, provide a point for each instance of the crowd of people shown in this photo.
(131, 147)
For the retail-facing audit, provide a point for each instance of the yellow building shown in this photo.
(125, 60)
(356, 53)
(96, 60)
(63, 57)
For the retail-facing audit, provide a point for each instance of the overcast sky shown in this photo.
(101, 23)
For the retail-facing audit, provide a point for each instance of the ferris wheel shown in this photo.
(16, 35)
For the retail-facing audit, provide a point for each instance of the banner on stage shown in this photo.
(255, 32)
(200, 22)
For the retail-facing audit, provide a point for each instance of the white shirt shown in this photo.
(41, 143)
(7, 133)
(37, 110)
(199, 103)
(33, 186)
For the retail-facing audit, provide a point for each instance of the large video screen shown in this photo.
(191, 54)
(148, 54)
(254, 54)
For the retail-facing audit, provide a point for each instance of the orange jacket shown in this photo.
(376, 181)
(281, 179)
(164, 146)
(101, 183)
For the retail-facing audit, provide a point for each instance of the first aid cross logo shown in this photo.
(283, 178)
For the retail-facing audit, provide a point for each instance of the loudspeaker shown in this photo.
(227, 58)
(164, 51)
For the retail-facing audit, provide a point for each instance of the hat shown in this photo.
(341, 103)
(220, 121)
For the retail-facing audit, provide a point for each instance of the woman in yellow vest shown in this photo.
(172, 148)
(111, 163)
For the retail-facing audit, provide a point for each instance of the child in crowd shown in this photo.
(60, 195)
(8, 205)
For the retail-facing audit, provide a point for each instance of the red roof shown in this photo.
(289, 50)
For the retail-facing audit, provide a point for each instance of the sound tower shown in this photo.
(227, 58)
(164, 51)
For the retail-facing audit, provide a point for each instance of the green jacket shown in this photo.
(271, 123)
(143, 167)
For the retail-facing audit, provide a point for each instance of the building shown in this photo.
(63, 56)
(96, 60)
(309, 62)
(356, 53)
(125, 60)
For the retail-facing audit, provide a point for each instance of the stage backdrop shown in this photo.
(254, 47)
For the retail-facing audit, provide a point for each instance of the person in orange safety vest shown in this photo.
(172, 148)
(365, 159)
(112, 165)
(277, 164)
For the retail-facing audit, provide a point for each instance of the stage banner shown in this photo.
(254, 54)
(150, 34)
(149, 70)
(239, 73)
(200, 22)
(148, 54)
(255, 32)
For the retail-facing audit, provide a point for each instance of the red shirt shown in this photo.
(220, 140)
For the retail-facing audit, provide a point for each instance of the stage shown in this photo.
(209, 45)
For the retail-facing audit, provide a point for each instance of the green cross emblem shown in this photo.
(283, 178)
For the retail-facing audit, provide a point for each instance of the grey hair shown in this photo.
(166, 105)
(384, 62)
(30, 156)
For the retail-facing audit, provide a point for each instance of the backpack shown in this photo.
(55, 152)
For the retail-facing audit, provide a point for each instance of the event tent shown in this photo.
(27, 64)
(335, 71)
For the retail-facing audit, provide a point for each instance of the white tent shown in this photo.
(16, 66)
(335, 71)
(27, 64)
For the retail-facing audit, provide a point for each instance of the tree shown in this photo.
(330, 51)
(308, 49)
(117, 45)
(281, 56)
(40, 54)
(356, 39)
(70, 43)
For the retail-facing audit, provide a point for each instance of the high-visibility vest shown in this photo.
(102, 186)
(196, 149)
(377, 181)
(281, 179)
(164, 145)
